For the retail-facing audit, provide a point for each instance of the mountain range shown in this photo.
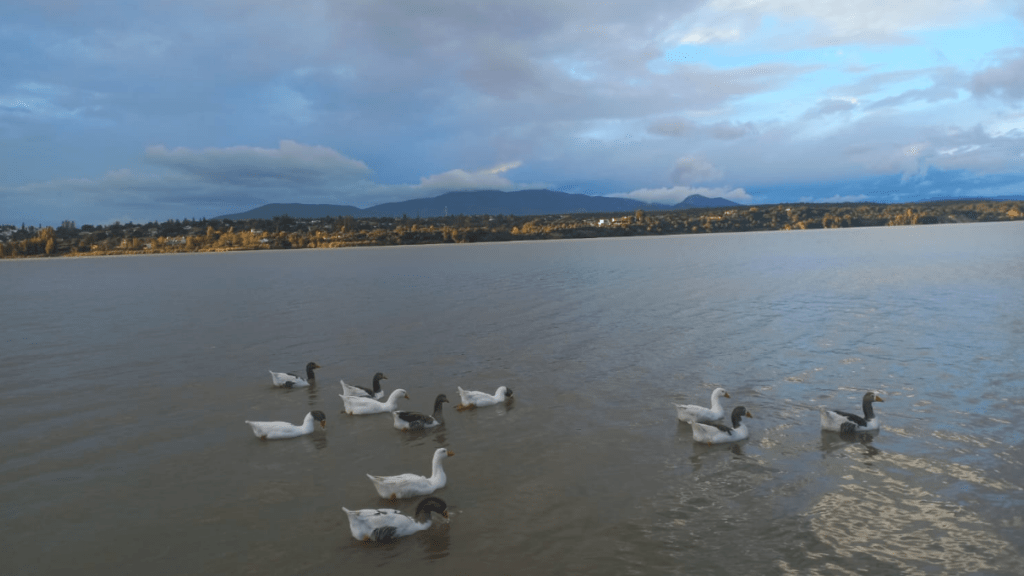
(520, 203)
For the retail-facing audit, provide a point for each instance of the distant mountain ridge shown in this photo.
(520, 203)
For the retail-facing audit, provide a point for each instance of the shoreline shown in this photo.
(78, 256)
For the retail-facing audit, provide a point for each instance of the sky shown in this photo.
(145, 110)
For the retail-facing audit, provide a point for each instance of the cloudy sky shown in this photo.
(148, 110)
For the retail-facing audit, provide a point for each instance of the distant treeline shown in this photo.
(284, 232)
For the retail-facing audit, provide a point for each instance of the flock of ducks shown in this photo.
(707, 429)
(383, 524)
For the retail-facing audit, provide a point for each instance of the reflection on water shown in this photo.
(910, 530)
(436, 540)
(832, 441)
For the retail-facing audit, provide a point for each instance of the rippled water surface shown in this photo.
(125, 383)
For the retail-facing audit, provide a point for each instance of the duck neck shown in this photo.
(427, 520)
(310, 377)
(393, 401)
(308, 424)
(716, 402)
(869, 410)
(376, 384)
(437, 411)
(437, 472)
(736, 421)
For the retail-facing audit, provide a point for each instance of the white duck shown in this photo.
(716, 433)
(357, 405)
(376, 393)
(290, 380)
(385, 524)
(415, 421)
(471, 398)
(409, 485)
(692, 412)
(279, 430)
(847, 423)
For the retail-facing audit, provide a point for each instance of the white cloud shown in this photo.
(829, 22)
(459, 179)
(837, 199)
(677, 194)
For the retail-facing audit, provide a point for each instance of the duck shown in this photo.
(416, 421)
(409, 485)
(289, 380)
(357, 405)
(688, 412)
(386, 525)
(360, 392)
(847, 423)
(281, 430)
(715, 433)
(471, 398)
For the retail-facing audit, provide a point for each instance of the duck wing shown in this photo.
(721, 427)
(859, 420)
(414, 417)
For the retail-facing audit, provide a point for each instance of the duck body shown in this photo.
(471, 398)
(415, 421)
(409, 485)
(281, 430)
(715, 433)
(849, 423)
(692, 412)
(290, 380)
(385, 524)
(358, 405)
(358, 391)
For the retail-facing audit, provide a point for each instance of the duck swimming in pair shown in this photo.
(280, 430)
(471, 398)
(692, 412)
(409, 485)
(385, 524)
(848, 423)
(715, 433)
(357, 405)
(290, 380)
(360, 392)
(416, 421)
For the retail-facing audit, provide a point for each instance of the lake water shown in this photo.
(125, 383)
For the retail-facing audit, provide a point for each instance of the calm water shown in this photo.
(125, 383)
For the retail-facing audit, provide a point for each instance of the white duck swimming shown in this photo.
(715, 433)
(692, 412)
(415, 421)
(847, 423)
(279, 430)
(357, 405)
(471, 398)
(376, 393)
(409, 485)
(385, 524)
(289, 380)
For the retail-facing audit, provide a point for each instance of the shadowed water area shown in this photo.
(125, 383)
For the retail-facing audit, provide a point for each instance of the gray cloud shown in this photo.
(689, 169)
(1003, 81)
(830, 106)
(291, 164)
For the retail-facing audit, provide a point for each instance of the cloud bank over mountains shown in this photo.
(147, 110)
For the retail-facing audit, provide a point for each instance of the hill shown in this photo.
(476, 203)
